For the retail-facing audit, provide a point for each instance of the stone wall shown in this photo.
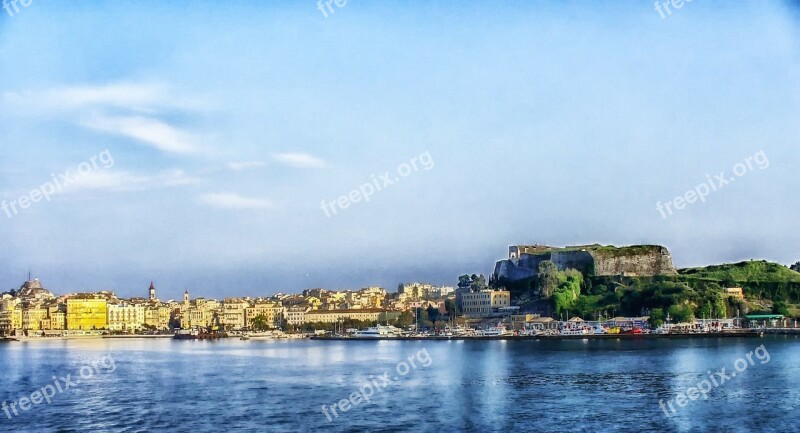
(592, 260)
(647, 262)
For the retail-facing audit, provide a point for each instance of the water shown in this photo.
(473, 386)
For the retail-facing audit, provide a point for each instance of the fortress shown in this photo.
(593, 260)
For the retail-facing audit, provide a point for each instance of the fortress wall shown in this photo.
(639, 260)
(509, 270)
(656, 261)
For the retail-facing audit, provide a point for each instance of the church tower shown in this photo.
(152, 292)
(186, 298)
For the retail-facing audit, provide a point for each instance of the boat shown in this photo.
(196, 334)
(575, 331)
(378, 332)
(497, 331)
(245, 337)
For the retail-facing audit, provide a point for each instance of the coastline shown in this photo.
(747, 334)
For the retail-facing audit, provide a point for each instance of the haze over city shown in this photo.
(231, 127)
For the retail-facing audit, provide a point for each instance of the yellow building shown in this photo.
(16, 318)
(233, 313)
(10, 320)
(484, 303)
(57, 315)
(333, 316)
(32, 318)
(87, 312)
(272, 312)
(156, 315)
(126, 317)
(200, 313)
(735, 292)
(10, 314)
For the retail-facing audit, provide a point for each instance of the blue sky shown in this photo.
(548, 122)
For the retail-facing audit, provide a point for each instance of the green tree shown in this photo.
(464, 281)
(260, 323)
(795, 267)
(478, 282)
(547, 278)
(406, 319)
(681, 313)
(433, 314)
(781, 307)
(657, 317)
(451, 307)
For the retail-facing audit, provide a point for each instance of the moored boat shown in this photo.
(378, 332)
(196, 334)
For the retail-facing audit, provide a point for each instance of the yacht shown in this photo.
(498, 331)
(576, 331)
(378, 332)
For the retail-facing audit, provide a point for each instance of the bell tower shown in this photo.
(152, 292)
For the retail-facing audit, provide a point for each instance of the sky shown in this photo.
(216, 146)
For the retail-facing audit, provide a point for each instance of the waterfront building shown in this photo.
(543, 323)
(10, 314)
(156, 315)
(32, 317)
(57, 315)
(125, 316)
(296, 315)
(364, 314)
(233, 312)
(485, 303)
(200, 313)
(87, 311)
(271, 310)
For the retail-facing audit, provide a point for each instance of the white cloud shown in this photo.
(116, 180)
(300, 160)
(149, 131)
(135, 108)
(234, 201)
(246, 165)
(141, 97)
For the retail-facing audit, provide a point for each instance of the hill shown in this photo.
(744, 272)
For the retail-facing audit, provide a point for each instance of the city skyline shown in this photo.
(208, 148)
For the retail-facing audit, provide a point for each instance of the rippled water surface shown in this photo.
(415, 386)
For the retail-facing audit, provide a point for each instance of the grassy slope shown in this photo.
(759, 270)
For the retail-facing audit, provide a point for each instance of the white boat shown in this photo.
(378, 332)
(578, 331)
(498, 331)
